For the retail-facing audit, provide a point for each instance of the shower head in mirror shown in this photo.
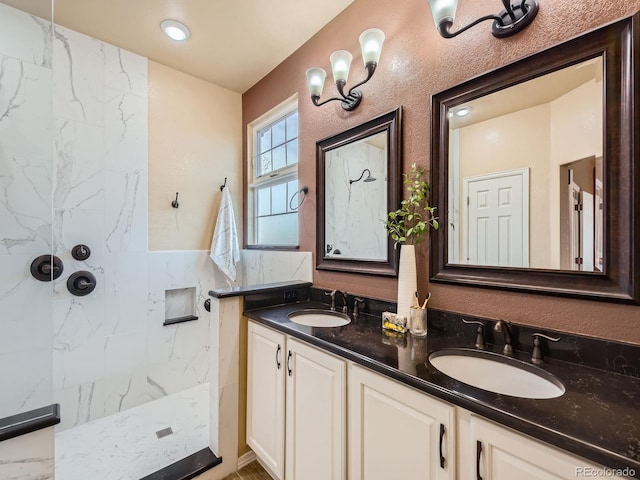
(368, 179)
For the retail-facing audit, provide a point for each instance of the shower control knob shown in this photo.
(81, 283)
(46, 268)
(80, 252)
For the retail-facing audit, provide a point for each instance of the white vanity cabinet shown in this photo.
(499, 453)
(396, 432)
(315, 414)
(298, 418)
(266, 356)
(295, 388)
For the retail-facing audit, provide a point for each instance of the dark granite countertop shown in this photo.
(597, 418)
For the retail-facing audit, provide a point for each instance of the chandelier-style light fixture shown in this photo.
(371, 44)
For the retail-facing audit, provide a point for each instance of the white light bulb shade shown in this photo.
(340, 64)
(175, 30)
(315, 81)
(371, 43)
(441, 9)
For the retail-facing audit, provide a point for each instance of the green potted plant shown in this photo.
(406, 226)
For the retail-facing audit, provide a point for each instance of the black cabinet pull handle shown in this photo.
(278, 356)
(442, 459)
(289, 363)
(478, 454)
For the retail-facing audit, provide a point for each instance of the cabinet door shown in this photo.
(315, 414)
(396, 432)
(503, 454)
(265, 396)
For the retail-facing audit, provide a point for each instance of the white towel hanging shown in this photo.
(225, 252)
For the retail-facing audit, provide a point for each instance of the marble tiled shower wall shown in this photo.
(26, 81)
(107, 351)
(111, 350)
(100, 200)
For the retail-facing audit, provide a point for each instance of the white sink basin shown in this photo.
(319, 318)
(497, 373)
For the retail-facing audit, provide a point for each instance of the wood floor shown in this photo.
(253, 471)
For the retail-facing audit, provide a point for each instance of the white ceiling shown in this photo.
(529, 94)
(233, 43)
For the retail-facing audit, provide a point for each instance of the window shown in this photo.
(273, 177)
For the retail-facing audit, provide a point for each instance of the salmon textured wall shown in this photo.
(416, 63)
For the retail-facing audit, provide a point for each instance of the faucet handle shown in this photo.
(536, 354)
(480, 344)
(357, 301)
(332, 293)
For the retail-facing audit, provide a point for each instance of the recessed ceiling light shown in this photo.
(463, 112)
(175, 30)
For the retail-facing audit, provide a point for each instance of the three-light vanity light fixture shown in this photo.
(509, 21)
(371, 41)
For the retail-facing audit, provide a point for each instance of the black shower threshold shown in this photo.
(27, 422)
(187, 468)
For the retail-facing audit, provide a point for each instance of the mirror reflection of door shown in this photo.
(543, 125)
(496, 215)
(581, 232)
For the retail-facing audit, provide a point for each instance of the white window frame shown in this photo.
(282, 175)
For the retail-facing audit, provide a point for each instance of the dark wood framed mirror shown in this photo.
(536, 172)
(358, 182)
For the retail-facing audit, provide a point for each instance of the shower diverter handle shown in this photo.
(81, 283)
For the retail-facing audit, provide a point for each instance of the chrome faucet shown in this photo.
(332, 293)
(504, 327)
(333, 299)
(357, 301)
(345, 308)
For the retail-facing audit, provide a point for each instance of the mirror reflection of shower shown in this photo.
(368, 179)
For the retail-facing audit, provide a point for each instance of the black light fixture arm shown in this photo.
(316, 100)
(444, 27)
(511, 20)
(351, 99)
(371, 68)
(349, 102)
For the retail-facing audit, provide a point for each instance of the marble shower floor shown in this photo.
(125, 446)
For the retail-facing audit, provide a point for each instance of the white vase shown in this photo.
(407, 280)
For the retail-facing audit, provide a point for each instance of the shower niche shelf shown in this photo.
(179, 305)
